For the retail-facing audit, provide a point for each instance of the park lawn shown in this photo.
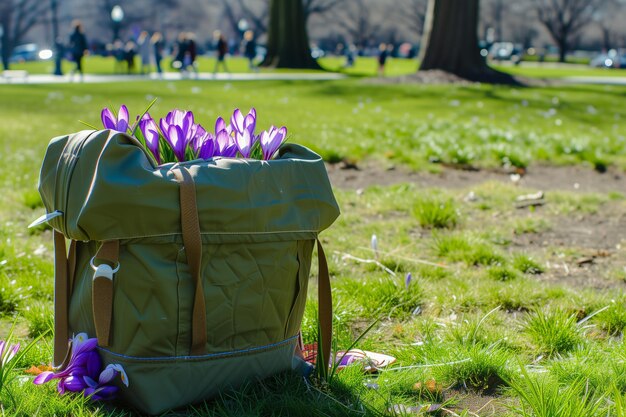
(415, 125)
(363, 67)
(477, 313)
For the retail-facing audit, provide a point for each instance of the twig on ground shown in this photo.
(593, 314)
(426, 365)
(419, 261)
(530, 203)
(365, 261)
(486, 404)
(450, 412)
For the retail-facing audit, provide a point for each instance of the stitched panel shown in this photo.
(145, 309)
(249, 290)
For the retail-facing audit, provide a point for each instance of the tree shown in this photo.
(287, 41)
(451, 42)
(358, 20)
(413, 13)
(17, 18)
(565, 19)
(312, 7)
(255, 17)
(608, 20)
(493, 12)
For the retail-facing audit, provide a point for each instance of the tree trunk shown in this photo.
(606, 38)
(450, 42)
(563, 48)
(288, 43)
(5, 39)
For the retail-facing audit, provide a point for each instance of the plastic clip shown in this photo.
(103, 270)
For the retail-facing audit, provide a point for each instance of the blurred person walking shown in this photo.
(191, 54)
(119, 55)
(144, 47)
(383, 53)
(249, 49)
(129, 55)
(179, 52)
(157, 49)
(221, 48)
(78, 47)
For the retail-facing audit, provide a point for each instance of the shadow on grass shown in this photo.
(286, 394)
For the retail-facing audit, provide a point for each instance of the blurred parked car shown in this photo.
(316, 52)
(29, 52)
(612, 59)
(505, 51)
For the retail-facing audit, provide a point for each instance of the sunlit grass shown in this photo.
(440, 325)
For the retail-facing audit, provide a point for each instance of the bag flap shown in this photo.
(108, 188)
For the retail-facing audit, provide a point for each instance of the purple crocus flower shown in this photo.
(7, 353)
(102, 389)
(176, 138)
(239, 122)
(245, 141)
(180, 131)
(220, 125)
(407, 280)
(207, 147)
(119, 123)
(271, 140)
(151, 134)
(83, 371)
(227, 147)
(84, 360)
(181, 118)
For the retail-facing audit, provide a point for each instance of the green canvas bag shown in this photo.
(193, 276)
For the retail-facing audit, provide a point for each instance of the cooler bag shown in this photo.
(193, 276)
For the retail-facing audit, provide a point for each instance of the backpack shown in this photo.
(193, 276)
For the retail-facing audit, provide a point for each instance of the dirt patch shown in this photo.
(585, 249)
(580, 250)
(479, 404)
(421, 77)
(546, 178)
(433, 77)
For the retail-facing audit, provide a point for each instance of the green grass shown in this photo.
(482, 306)
(436, 213)
(553, 331)
(412, 125)
(363, 67)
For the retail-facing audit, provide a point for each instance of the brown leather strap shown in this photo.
(71, 266)
(192, 240)
(325, 305)
(102, 291)
(61, 300)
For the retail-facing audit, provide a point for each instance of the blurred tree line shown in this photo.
(288, 25)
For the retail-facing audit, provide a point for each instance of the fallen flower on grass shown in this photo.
(372, 361)
(83, 372)
(401, 409)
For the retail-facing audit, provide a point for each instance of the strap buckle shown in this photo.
(103, 270)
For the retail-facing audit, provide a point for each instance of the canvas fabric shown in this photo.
(214, 260)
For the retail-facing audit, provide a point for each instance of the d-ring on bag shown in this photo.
(193, 276)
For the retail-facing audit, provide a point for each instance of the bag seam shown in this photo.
(220, 355)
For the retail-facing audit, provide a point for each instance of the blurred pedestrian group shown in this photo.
(145, 52)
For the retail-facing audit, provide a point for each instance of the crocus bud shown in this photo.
(375, 245)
